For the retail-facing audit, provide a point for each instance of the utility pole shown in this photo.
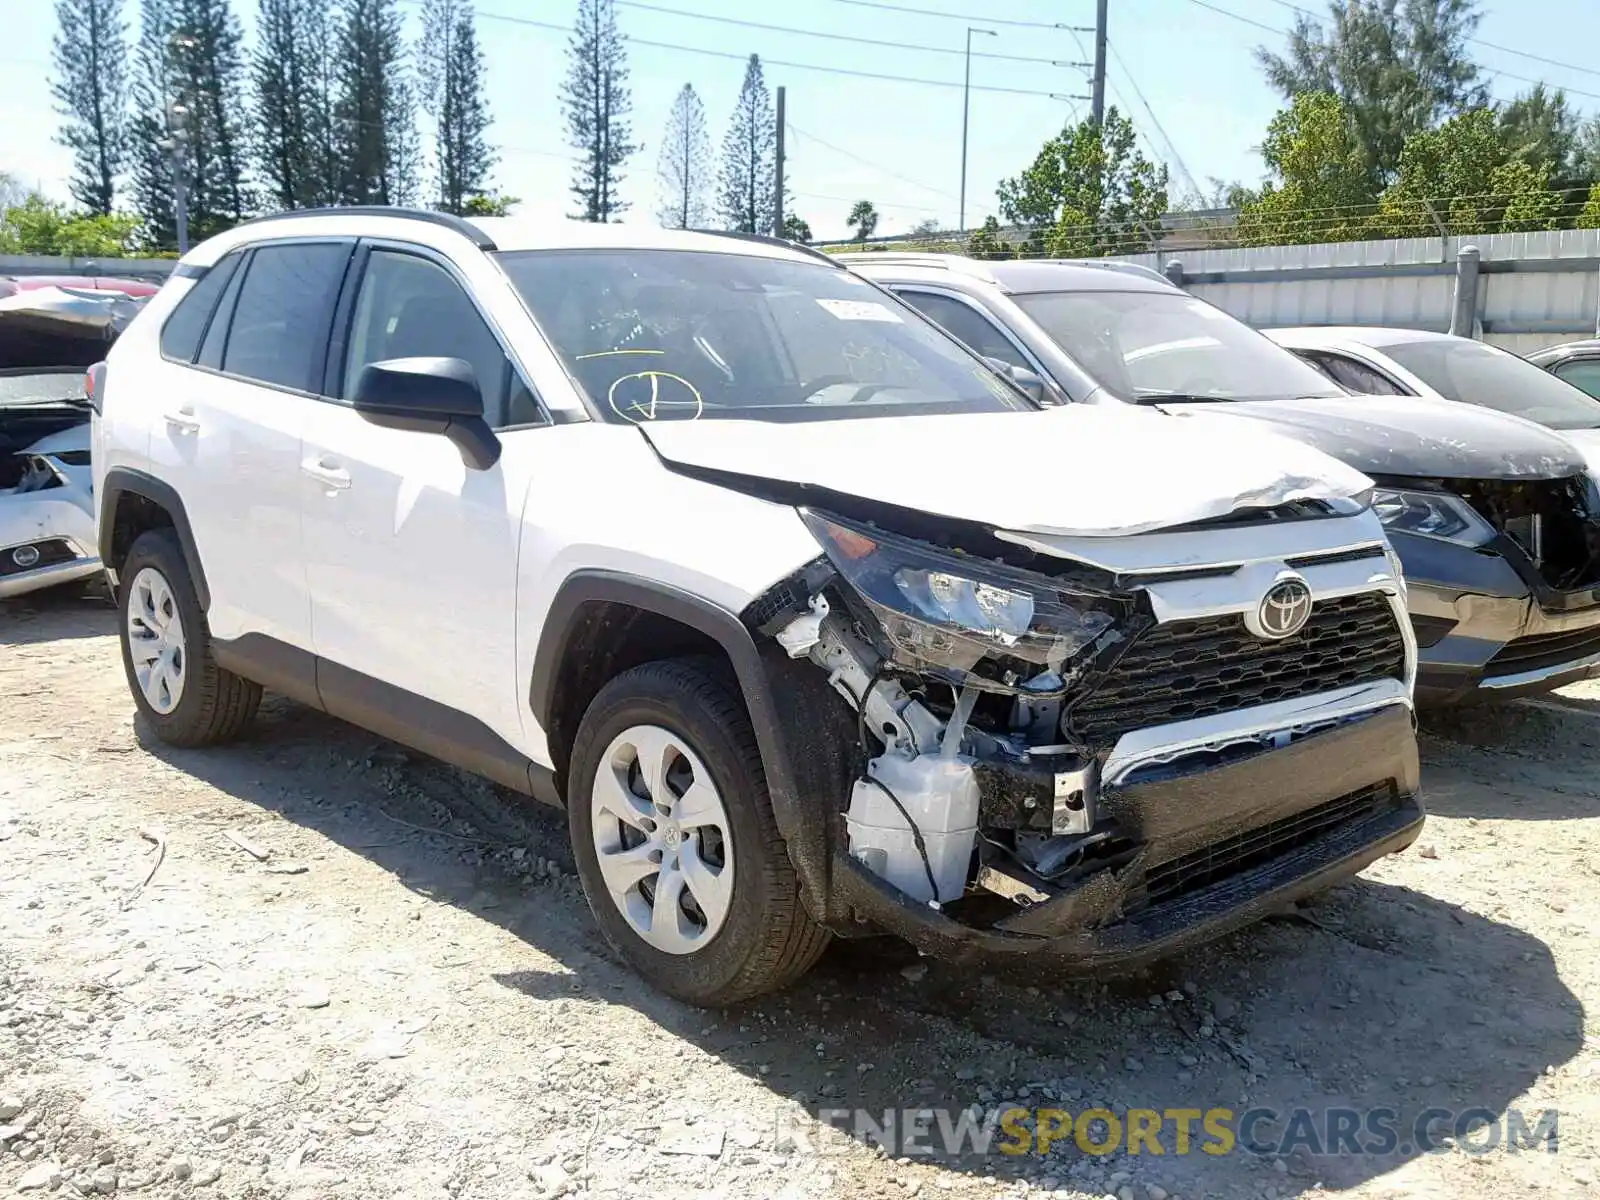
(1098, 100)
(966, 108)
(176, 144)
(777, 182)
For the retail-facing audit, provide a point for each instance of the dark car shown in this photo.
(1576, 362)
(1496, 519)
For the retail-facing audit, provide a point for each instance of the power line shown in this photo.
(774, 62)
(1247, 20)
(929, 12)
(1154, 120)
(866, 162)
(833, 37)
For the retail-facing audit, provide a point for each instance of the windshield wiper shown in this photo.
(1180, 398)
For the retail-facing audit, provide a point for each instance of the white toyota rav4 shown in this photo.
(813, 623)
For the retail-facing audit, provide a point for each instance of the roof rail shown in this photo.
(924, 258)
(449, 220)
(768, 239)
(1112, 264)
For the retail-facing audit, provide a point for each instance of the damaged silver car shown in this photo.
(48, 339)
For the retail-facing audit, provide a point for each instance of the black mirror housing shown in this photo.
(429, 395)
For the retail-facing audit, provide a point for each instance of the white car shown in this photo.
(811, 622)
(48, 338)
(1416, 362)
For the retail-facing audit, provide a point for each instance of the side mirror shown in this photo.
(429, 395)
(1026, 380)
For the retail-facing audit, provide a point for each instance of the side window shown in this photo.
(1582, 373)
(409, 307)
(967, 325)
(180, 336)
(1358, 377)
(279, 329)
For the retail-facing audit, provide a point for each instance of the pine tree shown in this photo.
(189, 77)
(452, 89)
(371, 115)
(685, 164)
(749, 157)
(291, 101)
(598, 102)
(403, 162)
(90, 87)
(148, 129)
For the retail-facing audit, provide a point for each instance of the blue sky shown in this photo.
(851, 137)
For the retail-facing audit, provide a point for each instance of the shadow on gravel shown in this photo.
(56, 615)
(1526, 761)
(1378, 998)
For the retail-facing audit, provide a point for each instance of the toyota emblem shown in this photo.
(1284, 610)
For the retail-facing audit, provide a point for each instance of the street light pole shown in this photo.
(176, 144)
(966, 107)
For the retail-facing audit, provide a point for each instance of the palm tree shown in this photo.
(863, 219)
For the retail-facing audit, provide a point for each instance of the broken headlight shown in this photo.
(943, 609)
(1431, 514)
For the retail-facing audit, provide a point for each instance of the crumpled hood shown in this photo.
(1410, 435)
(1083, 470)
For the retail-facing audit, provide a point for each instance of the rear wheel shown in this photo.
(675, 841)
(166, 650)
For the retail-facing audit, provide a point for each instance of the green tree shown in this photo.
(452, 83)
(1089, 192)
(683, 173)
(796, 229)
(490, 205)
(1589, 218)
(597, 102)
(1539, 127)
(292, 104)
(1586, 152)
(749, 157)
(374, 113)
(90, 88)
(1398, 66)
(863, 219)
(1464, 174)
(41, 226)
(1320, 190)
(985, 242)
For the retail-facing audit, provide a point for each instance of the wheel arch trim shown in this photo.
(125, 481)
(589, 586)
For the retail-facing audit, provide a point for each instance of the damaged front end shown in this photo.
(1101, 748)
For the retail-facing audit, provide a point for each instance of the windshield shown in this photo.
(679, 335)
(1475, 373)
(41, 389)
(1148, 344)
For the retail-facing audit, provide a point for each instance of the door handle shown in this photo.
(326, 471)
(183, 420)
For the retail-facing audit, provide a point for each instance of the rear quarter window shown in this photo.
(180, 336)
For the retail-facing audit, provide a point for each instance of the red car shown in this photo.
(12, 284)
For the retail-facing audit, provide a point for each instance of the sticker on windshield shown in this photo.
(859, 310)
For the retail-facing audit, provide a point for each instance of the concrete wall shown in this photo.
(1535, 289)
(152, 269)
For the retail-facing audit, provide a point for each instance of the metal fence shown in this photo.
(152, 269)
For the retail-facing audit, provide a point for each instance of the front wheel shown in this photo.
(166, 650)
(676, 845)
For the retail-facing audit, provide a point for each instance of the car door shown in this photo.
(228, 438)
(411, 556)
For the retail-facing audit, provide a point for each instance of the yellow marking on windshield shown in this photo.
(609, 353)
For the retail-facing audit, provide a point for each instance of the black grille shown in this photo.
(1187, 669)
(1543, 650)
(1178, 877)
(50, 552)
(1568, 539)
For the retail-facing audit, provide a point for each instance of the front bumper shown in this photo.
(1481, 632)
(55, 574)
(1110, 921)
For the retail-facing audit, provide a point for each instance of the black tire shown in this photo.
(768, 939)
(214, 704)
